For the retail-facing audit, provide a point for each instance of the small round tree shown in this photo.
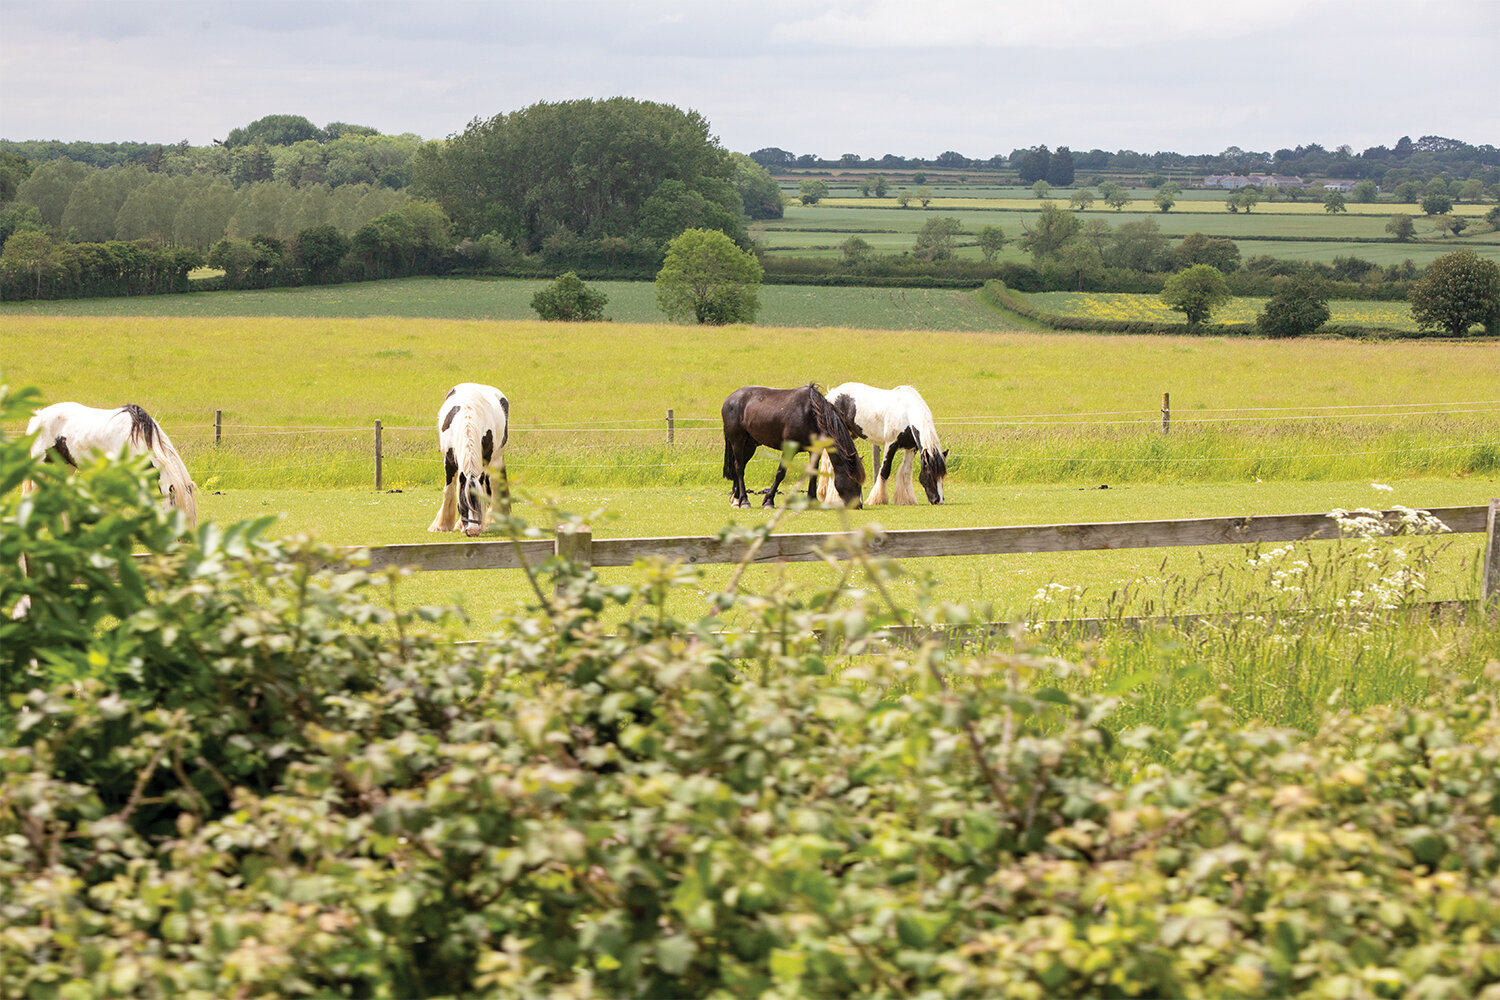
(568, 298)
(1196, 292)
(1457, 291)
(706, 277)
(1299, 308)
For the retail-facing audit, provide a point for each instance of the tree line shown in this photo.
(1420, 160)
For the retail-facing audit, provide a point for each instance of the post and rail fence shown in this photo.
(577, 544)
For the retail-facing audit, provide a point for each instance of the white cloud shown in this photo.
(1058, 24)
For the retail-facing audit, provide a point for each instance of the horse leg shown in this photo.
(447, 515)
(879, 492)
(770, 500)
(904, 493)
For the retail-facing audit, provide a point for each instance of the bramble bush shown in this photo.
(230, 767)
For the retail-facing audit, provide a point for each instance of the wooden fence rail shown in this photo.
(581, 547)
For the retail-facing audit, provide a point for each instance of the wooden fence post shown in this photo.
(218, 427)
(1489, 591)
(671, 428)
(378, 477)
(574, 543)
(1166, 412)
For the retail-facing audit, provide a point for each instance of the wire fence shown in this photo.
(1126, 438)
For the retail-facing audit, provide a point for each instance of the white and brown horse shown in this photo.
(473, 427)
(895, 420)
(77, 433)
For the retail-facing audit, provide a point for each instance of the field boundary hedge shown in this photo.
(996, 295)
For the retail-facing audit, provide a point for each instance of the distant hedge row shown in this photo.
(997, 295)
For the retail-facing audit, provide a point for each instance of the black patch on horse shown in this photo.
(449, 418)
(843, 405)
(908, 438)
(142, 427)
(487, 446)
(505, 437)
(450, 466)
(451, 391)
(61, 447)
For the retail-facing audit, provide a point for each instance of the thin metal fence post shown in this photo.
(671, 428)
(218, 427)
(1166, 412)
(378, 477)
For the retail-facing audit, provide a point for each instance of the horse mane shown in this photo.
(831, 425)
(932, 447)
(142, 428)
(146, 434)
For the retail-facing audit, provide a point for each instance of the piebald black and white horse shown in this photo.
(76, 433)
(473, 427)
(756, 416)
(895, 420)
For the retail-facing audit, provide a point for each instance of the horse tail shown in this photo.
(831, 425)
(826, 493)
(180, 490)
(731, 467)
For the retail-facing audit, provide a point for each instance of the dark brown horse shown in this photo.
(756, 416)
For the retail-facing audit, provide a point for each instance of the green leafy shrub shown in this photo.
(228, 766)
(1298, 309)
(568, 298)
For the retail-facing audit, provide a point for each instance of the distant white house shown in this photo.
(1338, 186)
(1232, 181)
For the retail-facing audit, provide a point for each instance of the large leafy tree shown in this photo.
(275, 130)
(1457, 291)
(1196, 292)
(760, 195)
(708, 278)
(1046, 235)
(1299, 307)
(937, 238)
(585, 167)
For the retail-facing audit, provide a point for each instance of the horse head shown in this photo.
(473, 501)
(848, 467)
(933, 468)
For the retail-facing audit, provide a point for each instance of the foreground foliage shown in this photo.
(227, 771)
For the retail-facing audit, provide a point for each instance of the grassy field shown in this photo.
(1150, 308)
(1298, 230)
(1039, 426)
(630, 302)
(299, 396)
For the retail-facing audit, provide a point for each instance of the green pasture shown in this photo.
(1042, 428)
(299, 397)
(1208, 203)
(630, 302)
(1150, 308)
(819, 230)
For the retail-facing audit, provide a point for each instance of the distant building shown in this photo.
(1232, 181)
(1338, 186)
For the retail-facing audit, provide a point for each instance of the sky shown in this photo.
(825, 77)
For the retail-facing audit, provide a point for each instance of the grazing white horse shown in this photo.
(75, 433)
(473, 426)
(895, 420)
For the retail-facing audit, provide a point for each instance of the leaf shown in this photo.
(402, 904)
(675, 953)
(919, 929)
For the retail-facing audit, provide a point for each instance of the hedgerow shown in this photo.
(231, 766)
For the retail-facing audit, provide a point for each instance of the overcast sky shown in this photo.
(910, 77)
